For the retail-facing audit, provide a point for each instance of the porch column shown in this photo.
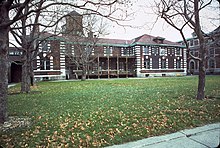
(108, 68)
(117, 66)
(126, 66)
(98, 67)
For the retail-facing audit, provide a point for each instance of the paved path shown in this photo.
(207, 136)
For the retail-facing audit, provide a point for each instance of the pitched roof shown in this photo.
(74, 13)
(152, 40)
(141, 40)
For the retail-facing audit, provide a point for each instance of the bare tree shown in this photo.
(186, 13)
(5, 22)
(27, 34)
(12, 11)
(80, 53)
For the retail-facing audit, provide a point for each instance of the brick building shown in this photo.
(142, 56)
(213, 53)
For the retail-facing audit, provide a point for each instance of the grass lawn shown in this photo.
(97, 113)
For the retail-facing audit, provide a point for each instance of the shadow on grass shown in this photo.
(31, 92)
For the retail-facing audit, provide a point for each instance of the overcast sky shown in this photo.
(145, 18)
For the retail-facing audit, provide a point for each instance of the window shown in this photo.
(192, 65)
(162, 52)
(196, 42)
(178, 64)
(191, 43)
(147, 63)
(89, 50)
(45, 63)
(145, 50)
(44, 46)
(125, 51)
(178, 52)
(192, 52)
(163, 63)
(108, 51)
(212, 52)
(121, 66)
(102, 65)
(154, 51)
(211, 63)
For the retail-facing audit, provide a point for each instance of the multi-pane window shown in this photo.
(211, 51)
(192, 65)
(147, 63)
(211, 63)
(178, 64)
(196, 42)
(108, 51)
(162, 52)
(163, 63)
(154, 51)
(191, 43)
(192, 52)
(145, 50)
(121, 66)
(45, 63)
(127, 51)
(45, 47)
(178, 51)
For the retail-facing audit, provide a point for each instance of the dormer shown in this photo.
(158, 40)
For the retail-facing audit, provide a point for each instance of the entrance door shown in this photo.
(16, 72)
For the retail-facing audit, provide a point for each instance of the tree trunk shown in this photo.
(201, 84)
(84, 70)
(4, 45)
(3, 73)
(202, 53)
(3, 77)
(26, 81)
(202, 70)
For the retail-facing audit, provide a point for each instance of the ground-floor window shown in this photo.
(45, 63)
(178, 64)
(163, 63)
(211, 63)
(147, 63)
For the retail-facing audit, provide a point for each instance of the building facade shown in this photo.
(141, 57)
(212, 53)
(61, 57)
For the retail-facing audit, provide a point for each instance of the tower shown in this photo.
(73, 26)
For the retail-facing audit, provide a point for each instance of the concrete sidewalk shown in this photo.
(207, 136)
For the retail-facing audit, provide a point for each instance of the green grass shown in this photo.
(97, 113)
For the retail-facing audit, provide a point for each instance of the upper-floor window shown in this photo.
(45, 47)
(162, 51)
(192, 52)
(178, 52)
(108, 51)
(154, 51)
(211, 51)
(191, 42)
(127, 51)
(145, 50)
(196, 42)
